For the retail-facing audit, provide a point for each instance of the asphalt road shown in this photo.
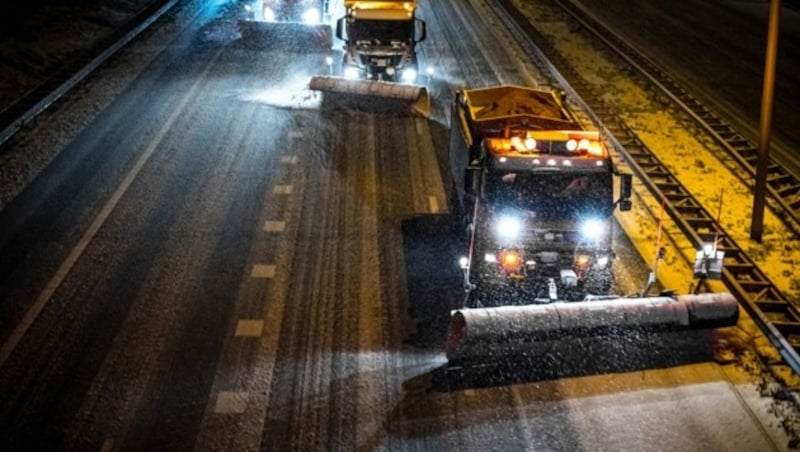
(215, 263)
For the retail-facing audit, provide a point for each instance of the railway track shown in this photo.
(782, 185)
(757, 294)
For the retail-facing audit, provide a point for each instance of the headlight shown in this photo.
(269, 15)
(311, 16)
(508, 227)
(352, 73)
(530, 144)
(409, 75)
(593, 229)
(602, 261)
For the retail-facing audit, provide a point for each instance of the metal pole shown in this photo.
(757, 224)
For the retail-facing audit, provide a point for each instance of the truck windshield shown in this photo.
(553, 194)
(383, 31)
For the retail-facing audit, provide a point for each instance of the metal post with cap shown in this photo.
(757, 223)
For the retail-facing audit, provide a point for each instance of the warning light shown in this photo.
(582, 260)
(510, 260)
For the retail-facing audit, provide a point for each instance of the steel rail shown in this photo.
(782, 185)
(771, 310)
(25, 110)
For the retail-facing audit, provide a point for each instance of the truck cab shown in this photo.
(380, 39)
(537, 192)
(309, 12)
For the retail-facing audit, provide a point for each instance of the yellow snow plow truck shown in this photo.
(380, 60)
(536, 191)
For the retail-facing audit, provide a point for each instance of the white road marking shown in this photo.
(231, 402)
(296, 134)
(274, 226)
(522, 415)
(282, 190)
(263, 271)
(434, 203)
(254, 375)
(249, 328)
(44, 297)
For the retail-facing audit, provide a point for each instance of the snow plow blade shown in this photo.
(363, 94)
(292, 36)
(513, 330)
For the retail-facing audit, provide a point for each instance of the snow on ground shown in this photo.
(692, 157)
(700, 165)
(53, 33)
(38, 43)
(28, 53)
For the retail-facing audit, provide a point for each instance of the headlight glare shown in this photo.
(508, 227)
(593, 229)
(311, 16)
(409, 75)
(352, 73)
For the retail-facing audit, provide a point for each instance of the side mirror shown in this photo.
(472, 176)
(626, 186)
(340, 28)
(625, 190)
(421, 31)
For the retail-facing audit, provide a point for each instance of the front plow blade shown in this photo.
(513, 330)
(365, 93)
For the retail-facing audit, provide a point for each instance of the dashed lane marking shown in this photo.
(249, 328)
(274, 226)
(289, 159)
(231, 402)
(434, 204)
(263, 271)
(282, 190)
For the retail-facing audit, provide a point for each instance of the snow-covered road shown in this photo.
(250, 286)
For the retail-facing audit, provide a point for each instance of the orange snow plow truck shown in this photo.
(536, 190)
